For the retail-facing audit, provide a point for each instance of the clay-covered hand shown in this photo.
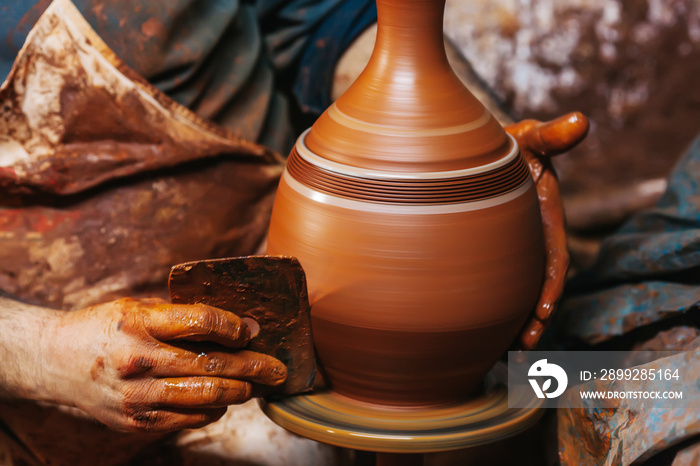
(539, 142)
(151, 366)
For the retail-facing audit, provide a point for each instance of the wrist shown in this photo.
(69, 357)
(22, 329)
(48, 373)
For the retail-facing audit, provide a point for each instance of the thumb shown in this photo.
(556, 136)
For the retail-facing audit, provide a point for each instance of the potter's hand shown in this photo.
(540, 141)
(127, 364)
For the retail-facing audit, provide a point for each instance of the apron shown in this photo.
(105, 183)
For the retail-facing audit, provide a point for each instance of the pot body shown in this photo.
(416, 221)
(412, 301)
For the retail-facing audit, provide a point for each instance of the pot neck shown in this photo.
(408, 111)
(409, 36)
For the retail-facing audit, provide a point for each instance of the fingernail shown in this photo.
(242, 334)
(279, 372)
(252, 325)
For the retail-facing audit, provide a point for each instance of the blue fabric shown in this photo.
(314, 81)
(17, 17)
(648, 271)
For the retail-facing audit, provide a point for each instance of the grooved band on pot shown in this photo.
(440, 190)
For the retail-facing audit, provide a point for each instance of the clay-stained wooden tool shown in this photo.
(269, 289)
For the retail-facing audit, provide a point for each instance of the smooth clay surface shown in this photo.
(412, 304)
(408, 111)
(417, 223)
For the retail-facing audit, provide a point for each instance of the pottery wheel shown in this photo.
(334, 419)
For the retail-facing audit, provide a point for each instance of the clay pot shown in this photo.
(416, 221)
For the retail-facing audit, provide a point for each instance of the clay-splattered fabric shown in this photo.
(648, 271)
(645, 280)
(74, 116)
(206, 55)
(625, 432)
(228, 61)
(106, 182)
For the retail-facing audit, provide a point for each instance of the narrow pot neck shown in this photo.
(408, 111)
(410, 34)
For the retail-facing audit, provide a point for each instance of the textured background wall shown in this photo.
(631, 66)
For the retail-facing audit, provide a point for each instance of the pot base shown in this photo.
(408, 368)
(334, 419)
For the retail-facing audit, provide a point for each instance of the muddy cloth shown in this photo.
(220, 59)
(646, 273)
(642, 293)
(106, 181)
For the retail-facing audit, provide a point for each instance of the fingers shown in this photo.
(196, 322)
(560, 135)
(531, 334)
(169, 361)
(197, 392)
(551, 292)
(556, 259)
(152, 301)
(164, 405)
(520, 128)
(557, 254)
(553, 137)
(556, 267)
(147, 419)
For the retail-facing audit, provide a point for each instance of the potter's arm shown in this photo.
(133, 365)
(21, 335)
(539, 142)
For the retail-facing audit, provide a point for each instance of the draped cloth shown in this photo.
(648, 271)
(643, 292)
(133, 137)
(233, 62)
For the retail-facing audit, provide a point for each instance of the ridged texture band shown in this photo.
(440, 190)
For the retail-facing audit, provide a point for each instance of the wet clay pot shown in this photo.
(416, 221)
